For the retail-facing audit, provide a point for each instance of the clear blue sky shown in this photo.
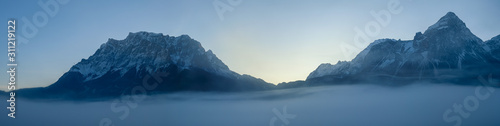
(276, 40)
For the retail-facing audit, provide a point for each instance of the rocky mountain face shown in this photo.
(493, 47)
(120, 65)
(446, 52)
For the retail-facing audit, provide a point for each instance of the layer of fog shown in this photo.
(422, 104)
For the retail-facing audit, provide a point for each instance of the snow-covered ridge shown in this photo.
(328, 69)
(150, 51)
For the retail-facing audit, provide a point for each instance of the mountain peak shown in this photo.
(151, 52)
(144, 35)
(448, 21)
(448, 31)
(177, 63)
(451, 15)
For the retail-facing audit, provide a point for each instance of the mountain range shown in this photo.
(447, 52)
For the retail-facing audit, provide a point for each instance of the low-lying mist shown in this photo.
(364, 104)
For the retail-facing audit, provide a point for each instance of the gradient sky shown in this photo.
(276, 40)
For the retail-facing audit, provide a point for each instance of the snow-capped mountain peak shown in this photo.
(149, 51)
(166, 63)
(449, 21)
(448, 30)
